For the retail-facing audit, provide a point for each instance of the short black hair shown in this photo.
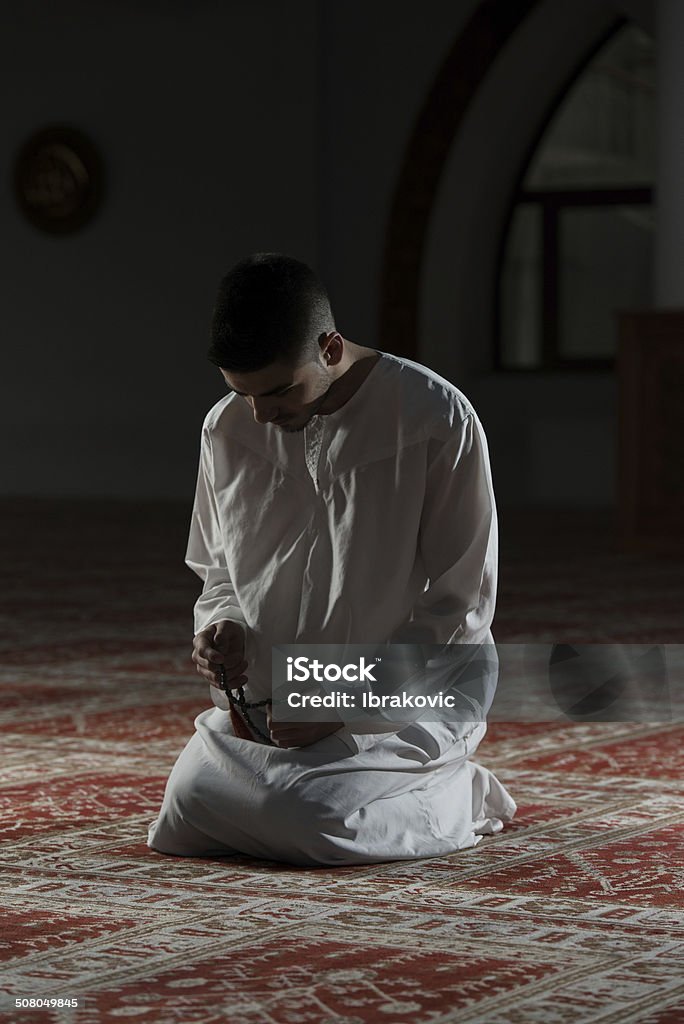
(270, 308)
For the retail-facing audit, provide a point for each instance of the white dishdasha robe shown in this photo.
(375, 524)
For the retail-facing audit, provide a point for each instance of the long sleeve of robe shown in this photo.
(205, 553)
(375, 524)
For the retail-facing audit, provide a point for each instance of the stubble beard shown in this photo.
(325, 383)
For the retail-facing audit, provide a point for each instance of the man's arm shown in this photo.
(220, 633)
(458, 542)
(205, 553)
(218, 601)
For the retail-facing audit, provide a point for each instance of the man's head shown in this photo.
(273, 337)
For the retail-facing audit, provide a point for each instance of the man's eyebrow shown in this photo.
(264, 394)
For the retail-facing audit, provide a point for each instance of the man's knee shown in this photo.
(308, 822)
(174, 836)
(176, 829)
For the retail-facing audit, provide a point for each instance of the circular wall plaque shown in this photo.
(58, 179)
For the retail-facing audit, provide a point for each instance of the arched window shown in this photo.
(579, 239)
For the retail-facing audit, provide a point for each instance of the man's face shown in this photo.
(280, 394)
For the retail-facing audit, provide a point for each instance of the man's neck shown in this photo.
(360, 363)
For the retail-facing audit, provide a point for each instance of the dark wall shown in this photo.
(204, 114)
(230, 127)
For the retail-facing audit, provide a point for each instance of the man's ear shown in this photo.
(332, 348)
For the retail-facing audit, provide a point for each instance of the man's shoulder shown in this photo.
(222, 412)
(427, 394)
(230, 428)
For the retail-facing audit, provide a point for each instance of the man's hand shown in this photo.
(298, 734)
(221, 644)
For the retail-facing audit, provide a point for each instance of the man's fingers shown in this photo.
(208, 653)
(226, 637)
(232, 675)
(302, 735)
(208, 658)
(221, 645)
(290, 739)
(211, 653)
(229, 636)
(283, 729)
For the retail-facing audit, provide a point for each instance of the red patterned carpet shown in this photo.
(573, 914)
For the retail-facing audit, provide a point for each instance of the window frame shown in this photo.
(552, 202)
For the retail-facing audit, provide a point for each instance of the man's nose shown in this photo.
(263, 412)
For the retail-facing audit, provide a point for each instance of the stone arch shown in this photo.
(437, 281)
(438, 122)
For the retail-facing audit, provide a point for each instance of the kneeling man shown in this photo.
(344, 497)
